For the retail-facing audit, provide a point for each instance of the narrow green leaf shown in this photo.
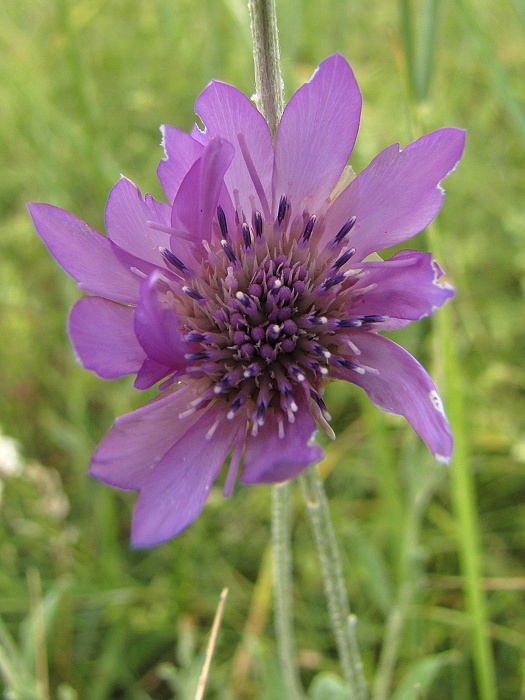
(497, 71)
(427, 48)
(423, 673)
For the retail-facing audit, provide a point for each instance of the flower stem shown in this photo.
(266, 58)
(270, 102)
(343, 623)
(282, 579)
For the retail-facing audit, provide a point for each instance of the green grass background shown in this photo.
(433, 556)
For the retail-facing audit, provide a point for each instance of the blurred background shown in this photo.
(433, 556)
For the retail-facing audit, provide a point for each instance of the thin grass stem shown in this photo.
(415, 506)
(497, 71)
(407, 36)
(282, 582)
(39, 631)
(464, 500)
(463, 492)
(343, 624)
(425, 60)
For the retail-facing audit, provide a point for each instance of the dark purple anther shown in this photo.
(236, 404)
(221, 217)
(347, 364)
(318, 400)
(252, 370)
(173, 260)
(349, 323)
(194, 337)
(244, 299)
(309, 228)
(318, 320)
(345, 229)
(372, 319)
(193, 293)
(223, 384)
(343, 259)
(281, 213)
(192, 356)
(229, 251)
(258, 224)
(247, 236)
(332, 281)
(313, 364)
(296, 372)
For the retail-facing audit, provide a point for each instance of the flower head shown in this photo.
(250, 290)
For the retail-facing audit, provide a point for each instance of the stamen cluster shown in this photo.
(264, 320)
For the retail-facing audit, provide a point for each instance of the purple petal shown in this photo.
(269, 458)
(397, 383)
(230, 115)
(99, 266)
(126, 216)
(316, 135)
(157, 326)
(138, 440)
(181, 152)
(196, 201)
(150, 373)
(103, 336)
(176, 490)
(406, 287)
(398, 194)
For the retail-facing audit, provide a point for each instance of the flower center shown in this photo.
(265, 316)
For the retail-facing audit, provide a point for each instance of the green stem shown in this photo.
(464, 496)
(343, 623)
(270, 101)
(266, 58)
(416, 503)
(468, 528)
(282, 583)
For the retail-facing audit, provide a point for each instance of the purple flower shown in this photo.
(250, 290)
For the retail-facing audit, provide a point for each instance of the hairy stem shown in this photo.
(282, 576)
(266, 58)
(343, 623)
